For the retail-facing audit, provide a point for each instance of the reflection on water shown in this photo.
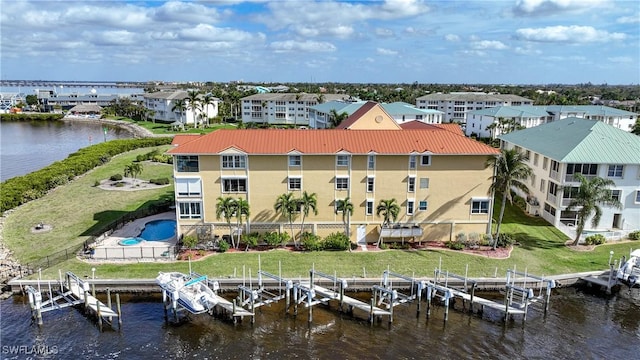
(29, 146)
(578, 325)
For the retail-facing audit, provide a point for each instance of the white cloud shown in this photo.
(383, 51)
(620, 59)
(527, 50)
(383, 32)
(204, 32)
(452, 37)
(631, 19)
(549, 7)
(568, 34)
(306, 46)
(488, 45)
(339, 31)
(117, 37)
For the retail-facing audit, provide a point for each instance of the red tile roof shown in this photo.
(276, 141)
(417, 125)
(180, 139)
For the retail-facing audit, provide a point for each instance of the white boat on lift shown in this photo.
(629, 271)
(193, 294)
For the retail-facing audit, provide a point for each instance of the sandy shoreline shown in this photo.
(137, 131)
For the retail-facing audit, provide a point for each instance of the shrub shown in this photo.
(505, 239)
(223, 246)
(595, 239)
(160, 181)
(116, 177)
(275, 239)
(189, 241)
(336, 241)
(520, 202)
(634, 235)
(120, 184)
(399, 246)
(96, 183)
(454, 245)
(311, 242)
(251, 240)
(461, 237)
(141, 158)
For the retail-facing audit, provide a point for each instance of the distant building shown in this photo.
(10, 100)
(455, 105)
(479, 121)
(49, 99)
(163, 103)
(283, 108)
(319, 115)
(558, 150)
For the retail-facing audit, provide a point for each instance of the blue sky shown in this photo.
(392, 41)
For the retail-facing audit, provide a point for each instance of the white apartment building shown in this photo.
(455, 105)
(479, 121)
(559, 149)
(283, 108)
(163, 103)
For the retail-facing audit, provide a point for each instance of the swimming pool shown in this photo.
(156, 230)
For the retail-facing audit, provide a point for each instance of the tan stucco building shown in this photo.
(437, 176)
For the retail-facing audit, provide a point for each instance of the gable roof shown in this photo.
(577, 140)
(180, 139)
(278, 141)
(419, 125)
(362, 119)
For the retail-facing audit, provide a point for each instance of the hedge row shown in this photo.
(31, 117)
(21, 189)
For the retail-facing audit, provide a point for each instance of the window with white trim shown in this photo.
(371, 162)
(370, 183)
(189, 186)
(422, 205)
(342, 183)
(190, 210)
(234, 161)
(411, 184)
(368, 207)
(187, 163)
(616, 195)
(342, 160)
(615, 171)
(637, 201)
(294, 183)
(424, 183)
(425, 160)
(480, 206)
(410, 207)
(234, 185)
(412, 161)
(295, 160)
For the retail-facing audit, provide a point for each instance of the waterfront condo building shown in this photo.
(283, 108)
(437, 177)
(558, 150)
(163, 107)
(455, 105)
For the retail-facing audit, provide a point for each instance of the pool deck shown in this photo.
(109, 249)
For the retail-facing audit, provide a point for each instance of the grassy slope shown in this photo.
(77, 207)
(164, 128)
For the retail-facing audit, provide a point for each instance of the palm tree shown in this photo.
(390, 210)
(591, 193)
(308, 202)
(509, 171)
(206, 101)
(193, 104)
(226, 207)
(336, 118)
(242, 210)
(264, 112)
(287, 206)
(180, 106)
(133, 169)
(346, 207)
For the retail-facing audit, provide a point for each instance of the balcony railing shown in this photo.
(572, 178)
(554, 175)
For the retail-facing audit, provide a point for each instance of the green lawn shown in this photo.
(164, 128)
(78, 208)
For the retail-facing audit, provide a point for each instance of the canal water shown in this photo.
(29, 146)
(579, 325)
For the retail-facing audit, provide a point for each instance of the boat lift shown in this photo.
(539, 291)
(255, 298)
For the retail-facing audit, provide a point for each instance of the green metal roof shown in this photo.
(548, 110)
(589, 110)
(512, 111)
(402, 108)
(577, 140)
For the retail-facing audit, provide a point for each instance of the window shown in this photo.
(535, 159)
(412, 161)
(411, 184)
(190, 210)
(616, 195)
(371, 162)
(480, 206)
(342, 160)
(295, 183)
(342, 183)
(424, 183)
(295, 160)
(410, 206)
(584, 169)
(238, 185)
(542, 183)
(370, 183)
(553, 188)
(189, 187)
(187, 163)
(533, 179)
(425, 160)
(527, 155)
(615, 171)
(369, 207)
(545, 163)
(637, 197)
(549, 209)
(422, 205)
(233, 161)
